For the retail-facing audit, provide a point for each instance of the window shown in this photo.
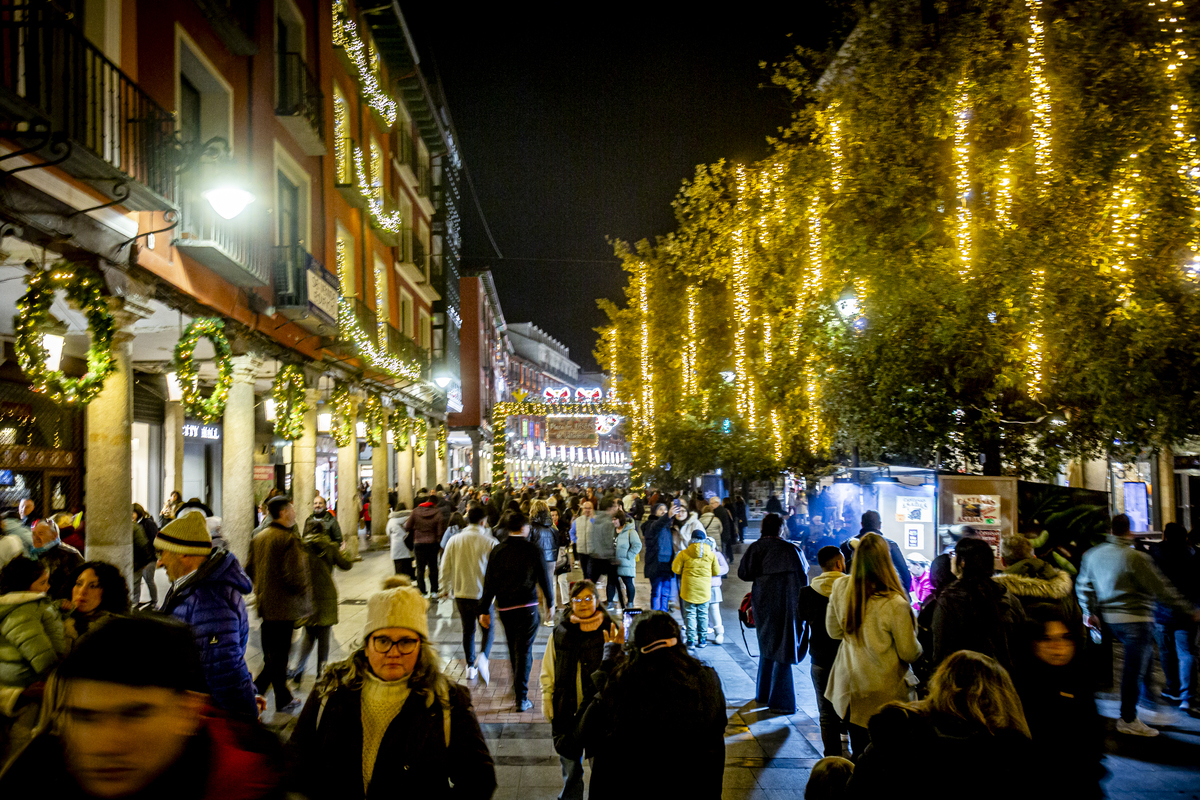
(424, 340)
(376, 171)
(189, 111)
(406, 314)
(204, 99)
(288, 210)
(289, 39)
(343, 146)
(294, 224)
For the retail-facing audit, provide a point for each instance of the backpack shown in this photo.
(746, 617)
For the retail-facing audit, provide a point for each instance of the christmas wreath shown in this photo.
(213, 329)
(399, 423)
(290, 405)
(373, 420)
(343, 416)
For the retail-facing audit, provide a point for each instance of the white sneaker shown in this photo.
(481, 664)
(472, 673)
(1135, 728)
(720, 638)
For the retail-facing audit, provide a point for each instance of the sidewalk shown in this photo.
(766, 755)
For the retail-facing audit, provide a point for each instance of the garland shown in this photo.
(213, 329)
(290, 405)
(373, 418)
(342, 427)
(442, 435)
(33, 312)
(399, 424)
(420, 426)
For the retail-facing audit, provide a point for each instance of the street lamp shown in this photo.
(442, 377)
(228, 200)
(225, 194)
(847, 303)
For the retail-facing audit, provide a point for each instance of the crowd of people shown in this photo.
(104, 695)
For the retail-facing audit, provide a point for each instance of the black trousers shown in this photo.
(276, 645)
(603, 568)
(469, 610)
(427, 556)
(520, 628)
(404, 566)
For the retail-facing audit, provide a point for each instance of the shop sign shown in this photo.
(264, 472)
(977, 509)
(194, 430)
(914, 509)
(322, 293)
(572, 431)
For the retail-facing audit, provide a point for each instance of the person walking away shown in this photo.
(131, 721)
(1059, 707)
(822, 648)
(603, 542)
(581, 534)
(145, 564)
(323, 555)
(975, 613)
(514, 574)
(32, 642)
(464, 565)
(872, 523)
(696, 566)
(207, 593)
(1174, 632)
(627, 546)
(658, 556)
(774, 566)
(454, 526)
(972, 719)
(716, 625)
(389, 718)
(655, 681)
(869, 613)
(402, 558)
(573, 653)
(278, 568)
(743, 520)
(100, 592)
(545, 538)
(1118, 587)
(426, 525)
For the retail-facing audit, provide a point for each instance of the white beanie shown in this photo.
(399, 605)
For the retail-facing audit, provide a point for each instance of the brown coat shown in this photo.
(278, 568)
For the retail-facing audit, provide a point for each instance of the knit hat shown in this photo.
(699, 535)
(399, 605)
(187, 536)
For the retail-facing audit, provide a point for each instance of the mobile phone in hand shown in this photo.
(627, 619)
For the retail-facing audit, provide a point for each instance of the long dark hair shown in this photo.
(19, 574)
(666, 675)
(114, 591)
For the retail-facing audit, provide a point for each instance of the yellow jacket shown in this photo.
(696, 565)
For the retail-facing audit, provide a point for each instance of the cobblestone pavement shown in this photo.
(766, 755)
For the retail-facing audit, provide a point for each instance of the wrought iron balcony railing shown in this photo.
(303, 286)
(301, 104)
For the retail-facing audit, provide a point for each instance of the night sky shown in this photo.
(578, 132)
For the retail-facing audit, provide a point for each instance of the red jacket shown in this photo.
(426, 524)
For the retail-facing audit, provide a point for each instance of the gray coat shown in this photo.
(628, 545)
(278, 568)
(603, 538)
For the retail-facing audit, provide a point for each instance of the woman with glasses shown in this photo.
(391, 715)
(573, 653)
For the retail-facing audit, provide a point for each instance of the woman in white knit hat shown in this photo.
(390, 710)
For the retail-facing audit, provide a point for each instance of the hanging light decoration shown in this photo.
(962, 179)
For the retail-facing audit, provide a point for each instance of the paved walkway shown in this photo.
(766, 755)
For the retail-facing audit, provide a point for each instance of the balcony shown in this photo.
(404, 348)
(301, 105)
(362, 317)
(70, 105)
(419, 257)
(232, 248)
(233, 22)
(347, 172)
(406, 154)
(305, 292)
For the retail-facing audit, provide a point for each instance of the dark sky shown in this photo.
(578, 131)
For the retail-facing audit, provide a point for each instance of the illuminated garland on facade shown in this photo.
(290, 403)
(690, 346)
(345, 36)
(962, 180)
(1040, 93)
(502, 411)
(206, 410)
(373, 420)
(33, 313)
(442, 436)
(367, 344)
(741, 307)
(342, 426)
(399, 423)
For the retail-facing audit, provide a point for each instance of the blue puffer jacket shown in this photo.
(658, 551)
(212, 603)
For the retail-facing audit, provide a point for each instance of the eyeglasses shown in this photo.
(383, 645)
(578, 601)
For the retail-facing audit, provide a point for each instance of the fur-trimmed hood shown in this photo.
(1057, 588)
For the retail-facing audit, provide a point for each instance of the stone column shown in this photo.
(347, 486)
(379, 490)
(237, 458)
(1166, 484)
(109, 453)
(172, 450)
(404, 471)
(304, 460)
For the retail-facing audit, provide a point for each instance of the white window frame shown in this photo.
(290, 167)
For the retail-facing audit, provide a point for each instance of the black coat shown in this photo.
(576, 652)
(975, 614)
(659, 550)
(413, 759)
(1067, 730)
(774, 565)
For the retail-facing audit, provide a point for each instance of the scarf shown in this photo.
(589, 624)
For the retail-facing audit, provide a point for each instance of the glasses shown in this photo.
(579, 601)
(383, 645)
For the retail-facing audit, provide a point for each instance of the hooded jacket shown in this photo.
(628, 545)
(213, 604)
(426, 524)
(1034, 581)
(814, 602)
(696, 566)
(31, 637)
(658, 553)
(976, 614)
(395, 532)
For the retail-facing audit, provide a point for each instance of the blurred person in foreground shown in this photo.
(128, 718)
(387, 722)
(972, 720)
(656, 682)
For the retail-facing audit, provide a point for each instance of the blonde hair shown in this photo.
(537, 507)
(975, 688)
(871, 575)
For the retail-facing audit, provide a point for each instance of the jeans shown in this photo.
(695, 621)
(629, 590)
(727, 547)
(318, 635)
(1136, 638)
(276, 644)
(831, 723)
(147, 575)
(404, 566)
(660, 592)
(603, 568)
(551, 601)
(1177, 646)
(427, 556)
(572, 770)
(469, 610)
(520, 627)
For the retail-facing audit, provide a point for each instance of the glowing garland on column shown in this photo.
(1040, 93)
(962, 179)
(1004, 196)
(647, 374)
(689, 349)
(741, 305)
(836, 154)
(1183, 143)
(1126, 218)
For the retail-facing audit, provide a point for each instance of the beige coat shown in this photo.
(871, 669)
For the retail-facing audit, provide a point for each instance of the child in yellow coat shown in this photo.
(696, 565)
